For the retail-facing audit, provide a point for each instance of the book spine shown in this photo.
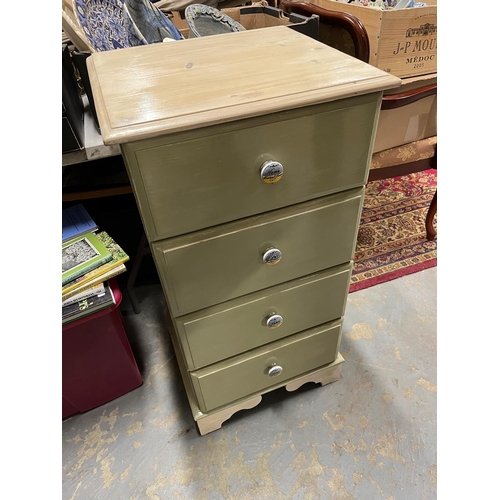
(91, 275)
(87, 312)
(98, 279)
(74, 292)
(88, 305)
(84, 294)
(85, 270)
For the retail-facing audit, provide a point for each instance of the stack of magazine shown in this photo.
(90, 258)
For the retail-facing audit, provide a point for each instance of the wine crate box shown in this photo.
(403, 42)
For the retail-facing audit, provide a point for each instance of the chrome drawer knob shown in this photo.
(274, 320)
(274, 370)
(271, 256)
(271, 171)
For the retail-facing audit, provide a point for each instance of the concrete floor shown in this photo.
(371, 435)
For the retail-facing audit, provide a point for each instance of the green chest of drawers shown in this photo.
(248, 154)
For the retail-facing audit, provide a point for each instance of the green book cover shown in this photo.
(118, 257)
(81, 255)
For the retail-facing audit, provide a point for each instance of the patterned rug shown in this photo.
(391, 239)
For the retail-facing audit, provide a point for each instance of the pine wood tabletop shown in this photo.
(148, 91)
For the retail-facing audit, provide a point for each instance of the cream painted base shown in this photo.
(323, 376)
(326, 375)
(214, 421)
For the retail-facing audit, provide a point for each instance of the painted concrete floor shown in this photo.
(369, 436)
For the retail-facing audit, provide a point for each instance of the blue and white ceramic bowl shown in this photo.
(150, 22)
(106, 24)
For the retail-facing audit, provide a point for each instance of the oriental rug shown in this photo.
(391, 239)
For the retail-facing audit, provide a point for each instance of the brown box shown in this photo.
(258, 16)
(403, 42)
(411, 122)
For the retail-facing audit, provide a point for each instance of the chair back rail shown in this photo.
(344, 20)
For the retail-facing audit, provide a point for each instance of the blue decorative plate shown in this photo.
(106, 24)
(150, 22)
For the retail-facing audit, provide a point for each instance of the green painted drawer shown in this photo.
(212, 266)
(247, 374)
(231, 328)
(198, 179)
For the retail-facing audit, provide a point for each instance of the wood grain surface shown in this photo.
(144, 92)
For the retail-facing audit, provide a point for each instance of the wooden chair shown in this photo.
(346, 32)
(331, 26)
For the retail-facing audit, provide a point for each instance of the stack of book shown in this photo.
(90, 258)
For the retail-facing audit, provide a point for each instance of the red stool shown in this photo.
(97, 362)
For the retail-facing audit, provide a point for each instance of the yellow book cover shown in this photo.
(99, 279)
(118, 257)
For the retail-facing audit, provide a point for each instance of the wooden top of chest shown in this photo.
(148, 91)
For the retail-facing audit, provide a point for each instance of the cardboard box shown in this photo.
(403, 42)
(410, 122)
(257, 17)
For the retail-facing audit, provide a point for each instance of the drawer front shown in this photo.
(245, 375)
(199, 179)
(223, 331)
(210, 267)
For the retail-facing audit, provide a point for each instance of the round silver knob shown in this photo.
(271, 171)
(271, 256)
(274, 320)
(274, 370)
